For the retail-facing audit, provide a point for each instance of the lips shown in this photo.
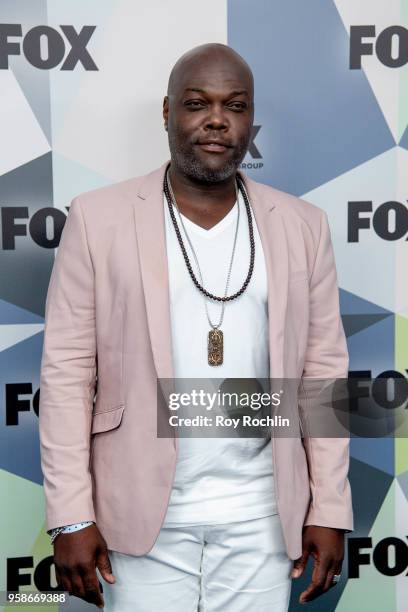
(213, 146)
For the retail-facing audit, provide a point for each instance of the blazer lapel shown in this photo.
(274, 242)
(273, 237)
(151, 240)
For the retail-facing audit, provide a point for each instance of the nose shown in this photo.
(216, 119)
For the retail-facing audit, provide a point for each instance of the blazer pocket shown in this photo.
(107, 420)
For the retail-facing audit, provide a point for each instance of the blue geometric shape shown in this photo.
(358, 313)
(404, 140)
(355, 323)
(351, 304)
(377, 452)
(19, 438)
(30, 183)
(369, 486)
(373, 348)
(11, 315)
(25, 269)
(318, 118)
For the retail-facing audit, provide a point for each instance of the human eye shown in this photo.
(237, 106)
(194, 104)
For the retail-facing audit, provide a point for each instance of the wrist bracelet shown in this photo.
(56, 532)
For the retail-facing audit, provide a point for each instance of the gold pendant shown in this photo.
(215, 347)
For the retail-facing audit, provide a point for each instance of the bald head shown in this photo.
(217, 55)
(208, 112)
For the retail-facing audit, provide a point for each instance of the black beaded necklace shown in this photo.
(215, 336)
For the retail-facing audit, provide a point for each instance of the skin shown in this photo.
(76, 557)
(326, 546)
(209, 97)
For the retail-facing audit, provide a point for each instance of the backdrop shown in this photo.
(81, 90)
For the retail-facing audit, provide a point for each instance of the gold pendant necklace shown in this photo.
(215, 347)
(215, 339)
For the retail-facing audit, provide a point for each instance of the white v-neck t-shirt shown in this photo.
(219, 479)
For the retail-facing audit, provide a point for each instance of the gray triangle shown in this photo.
(24, 282)
(356, 322)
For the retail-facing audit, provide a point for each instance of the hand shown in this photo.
(76, 556)
(326, 546)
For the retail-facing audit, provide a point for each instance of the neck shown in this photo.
(191, 194)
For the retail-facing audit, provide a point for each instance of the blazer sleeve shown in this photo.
(68, 378)
(326, 359)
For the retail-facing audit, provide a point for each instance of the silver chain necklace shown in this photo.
(218, 325)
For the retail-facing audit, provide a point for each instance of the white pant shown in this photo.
(231, 567)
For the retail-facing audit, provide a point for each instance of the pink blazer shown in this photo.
(107, 328)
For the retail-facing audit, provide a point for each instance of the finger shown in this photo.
(92, 591)
(77, 585)
(104, 566)
(316, 586)
(336, 569)
(312, 591)
(300, 564)
(329, 580)
(93, 595)
(65, 584)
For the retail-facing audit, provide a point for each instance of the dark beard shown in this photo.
(185, 160)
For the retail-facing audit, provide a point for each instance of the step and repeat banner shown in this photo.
(81, 92)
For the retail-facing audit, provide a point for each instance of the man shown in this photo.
(165, 276)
